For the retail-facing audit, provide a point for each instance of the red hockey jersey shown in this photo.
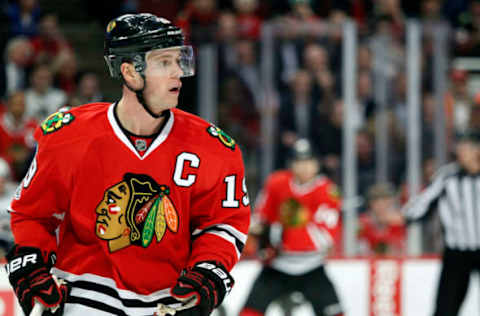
(304, 243)
(381, 239)
(124, 225)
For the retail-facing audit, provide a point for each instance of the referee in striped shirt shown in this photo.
(455, 194)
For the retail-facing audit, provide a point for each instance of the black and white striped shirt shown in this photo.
(456, 195)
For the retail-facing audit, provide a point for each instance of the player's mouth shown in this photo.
(175, 89)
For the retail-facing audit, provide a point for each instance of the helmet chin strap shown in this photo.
(141, 99)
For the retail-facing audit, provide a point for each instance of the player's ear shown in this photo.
(130, 75)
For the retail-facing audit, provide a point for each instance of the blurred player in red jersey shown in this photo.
(381, 227)
(299, 211)
(135, 204)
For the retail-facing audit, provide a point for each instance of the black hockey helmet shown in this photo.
(302, 150)
(130, 36)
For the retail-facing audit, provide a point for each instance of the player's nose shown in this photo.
(101, 211)
(177, 71)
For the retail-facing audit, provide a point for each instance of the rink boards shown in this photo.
(367, 287)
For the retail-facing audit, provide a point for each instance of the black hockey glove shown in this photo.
(203, 287)
(30, 277)
(268, 250)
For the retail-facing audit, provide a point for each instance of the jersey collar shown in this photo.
(117, 130)
(305, 188)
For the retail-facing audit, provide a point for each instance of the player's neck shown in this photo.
(135, 119)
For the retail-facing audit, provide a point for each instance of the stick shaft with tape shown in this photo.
(37, 310)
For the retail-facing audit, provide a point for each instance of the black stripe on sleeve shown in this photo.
(463, 210)
(455, 214)
(240, 245)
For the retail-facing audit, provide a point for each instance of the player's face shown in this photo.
(111, 212)
(305, 170)
(163, 75)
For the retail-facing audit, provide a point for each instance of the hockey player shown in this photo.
(141, 204)
(298, 210)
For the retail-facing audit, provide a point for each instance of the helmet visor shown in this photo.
(171, 61)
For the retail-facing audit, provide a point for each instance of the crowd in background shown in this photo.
(41, 71)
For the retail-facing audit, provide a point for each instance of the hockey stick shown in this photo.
(164, 310)
(38, 309)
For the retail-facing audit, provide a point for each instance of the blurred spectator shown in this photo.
(199, 20)
(226, 38)
(334, 40)
(298, 41)
(7, 190)
(365, 161)
(14, 72)
(16, 135)
(298, 114)
(88, 90)
(387, 42)
(326, 84)
(296, 29)
(428, 123)
(249, 23)
(468, 34)
(104, 11)
(454, 10)
(381, 228)
(431, 11)
(302, 21)
(315, 58)
(50, 41)
(361, 11)
(392, 9)
(42, 98)
(396, 144)
(227, 27)
(399, 100)
(247, 69)
(366, 106)
(23, 16)
(238, 113)
(65, 70)
(316, 62)
(329, 139)
(459, 100)
(164, 8)
(474, 119)
(364, 59)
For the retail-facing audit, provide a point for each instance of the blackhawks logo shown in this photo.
(222, 136)
(134, 212)
(293, 214)
(56, 121)
(111, 26)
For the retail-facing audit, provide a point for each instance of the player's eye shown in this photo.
(165, 63)
(110, 201)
